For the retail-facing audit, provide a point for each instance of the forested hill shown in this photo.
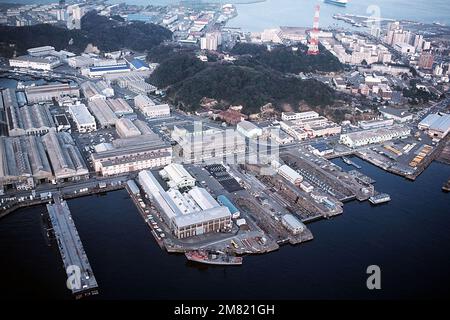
(287, 60)
(108, 34)
(246, 82)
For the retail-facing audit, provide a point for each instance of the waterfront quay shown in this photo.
(81, 279)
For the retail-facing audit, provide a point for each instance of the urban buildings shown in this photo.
(292, 224)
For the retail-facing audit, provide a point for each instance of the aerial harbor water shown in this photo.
(129, 264)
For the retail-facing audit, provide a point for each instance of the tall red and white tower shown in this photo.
(313, 46)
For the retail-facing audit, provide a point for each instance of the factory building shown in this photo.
(99, 71)
(436, 124)
(308, 124)
(98, 90)
(294, 130)
(49, 92)
(290, 174)
(41, 51)
(288, 116)
(248, 129)
(62, 123)
(23, 162)
(149, 108)
(36, 119)
(362, 138)
(132, 154)
(184, 213)
(79, 62)
(26, 120)
(134, 81)
(398, 115)
(103, 113)
(83, 119)
(223, 200)
(37, 63)
(126, 129)
(120, 107)
(178, 177)
(13, 118)
(210, 145)
(64, 156)
(292, 224)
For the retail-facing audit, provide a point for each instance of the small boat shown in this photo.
(380, 198)
(215, 258)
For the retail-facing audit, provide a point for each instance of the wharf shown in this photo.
(76, 264)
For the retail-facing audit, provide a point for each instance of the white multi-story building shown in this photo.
(299, 115)
(83, 118)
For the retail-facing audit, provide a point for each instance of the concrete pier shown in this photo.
(81, 280)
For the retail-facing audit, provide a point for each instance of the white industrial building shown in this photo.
(398, 115)
(103, 113)
(436, 124)
(120, 107)
(189, 214)
(41, 51)
(286, 116)
(248, 129)
(290, 174)
(209, 145)
(149, 108)
(292, 224)
(379, 135)
(48, 92)
(132, 154)
(83, 119)
(38, 63)
(126, 129)
(177, 176)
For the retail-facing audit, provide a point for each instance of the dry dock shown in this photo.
(71, 249)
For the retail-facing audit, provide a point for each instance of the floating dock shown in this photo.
(82, 283)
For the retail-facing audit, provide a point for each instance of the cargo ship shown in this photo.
(340, 3)
(216, 258)
(380, 198)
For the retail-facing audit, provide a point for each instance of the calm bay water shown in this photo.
(408, 238)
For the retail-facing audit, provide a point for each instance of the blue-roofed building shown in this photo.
(99, 71)
(321, 148)
(223, 200)
(138, 64)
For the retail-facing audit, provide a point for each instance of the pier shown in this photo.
(74, 257)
